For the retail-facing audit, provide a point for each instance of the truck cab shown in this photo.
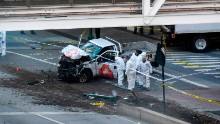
(94, 58)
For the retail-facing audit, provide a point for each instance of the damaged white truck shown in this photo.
(97, 58)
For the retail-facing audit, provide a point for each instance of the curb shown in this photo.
(147, 115)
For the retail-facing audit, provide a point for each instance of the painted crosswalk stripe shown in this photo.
(217, 76)
(182, 79)
(213, 73)
(204, 60)
(175, 54)
(199, 63)
(203, 69)
(195, 64)
(210, 66)
(215, 58)
(194, 59)
(188, 56)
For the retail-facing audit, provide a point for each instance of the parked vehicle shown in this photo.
(198, 37)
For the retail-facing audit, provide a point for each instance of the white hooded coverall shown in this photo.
(131, 72)
(120, 69)
(138, 60)
(145, 68)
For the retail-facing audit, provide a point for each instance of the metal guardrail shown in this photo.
(36, 3)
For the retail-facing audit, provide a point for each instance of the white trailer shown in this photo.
(196, 36)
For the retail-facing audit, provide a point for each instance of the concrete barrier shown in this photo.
(147, 115)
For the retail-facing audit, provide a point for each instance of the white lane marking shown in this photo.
(182, 79)
(211, 58)
(213, 73)
(126, 119)
(175, 54)
(44, 113)
(205, 63)
(171, 83)
(203, 69)
(26, 56)
(203, 60)
(196, 60)
(210, 66)
(196, 63)
(187, 56)
(217, 76)
(50, 119)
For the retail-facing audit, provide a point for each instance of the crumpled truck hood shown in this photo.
(74, 52)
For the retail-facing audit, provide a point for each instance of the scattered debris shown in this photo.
(17, 69)
(138, 100)
(42, 81)
(116, 85)
(125, 98)
(47, 76)
(96, 95)
(99, 104)
(33, 82)
(151, 104)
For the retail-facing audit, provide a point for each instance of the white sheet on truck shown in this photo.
(73, 52)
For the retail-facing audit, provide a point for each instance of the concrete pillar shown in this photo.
(3, 43)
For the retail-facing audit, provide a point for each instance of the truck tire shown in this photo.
(199, 44)
(84, 76)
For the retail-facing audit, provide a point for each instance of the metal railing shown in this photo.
(36, 3)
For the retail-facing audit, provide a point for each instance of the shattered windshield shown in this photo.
(91, 49)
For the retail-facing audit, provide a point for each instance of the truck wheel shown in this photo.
(84, 76)
(199, 44)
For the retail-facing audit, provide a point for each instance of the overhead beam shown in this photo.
(186, 18)
(100, 21)
(89, 21)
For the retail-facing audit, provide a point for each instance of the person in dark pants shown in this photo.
(32, 32)
(97, 32)
(151, 32)
(141, 29)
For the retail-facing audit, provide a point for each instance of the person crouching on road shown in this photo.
(120, 68)
(131, 72)
(145, 68)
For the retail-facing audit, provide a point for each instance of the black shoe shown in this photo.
(33, 32)
(146, 88)
(139, 86)
(22, 32)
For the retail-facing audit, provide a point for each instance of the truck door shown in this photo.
(106, 66)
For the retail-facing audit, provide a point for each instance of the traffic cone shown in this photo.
(17, 69)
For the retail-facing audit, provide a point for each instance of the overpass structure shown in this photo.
(16, 15)
(70, 14)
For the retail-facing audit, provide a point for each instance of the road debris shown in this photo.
(47, 76)
(99, 104)
(17, 69)
(96, 95)
(33, 82)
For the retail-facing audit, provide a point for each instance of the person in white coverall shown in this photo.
(131, 72)
(120, 69)
(138, 75)
(145, 68)
(137, 58)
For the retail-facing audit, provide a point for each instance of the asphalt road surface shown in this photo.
(45, 56)
(17, 108)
